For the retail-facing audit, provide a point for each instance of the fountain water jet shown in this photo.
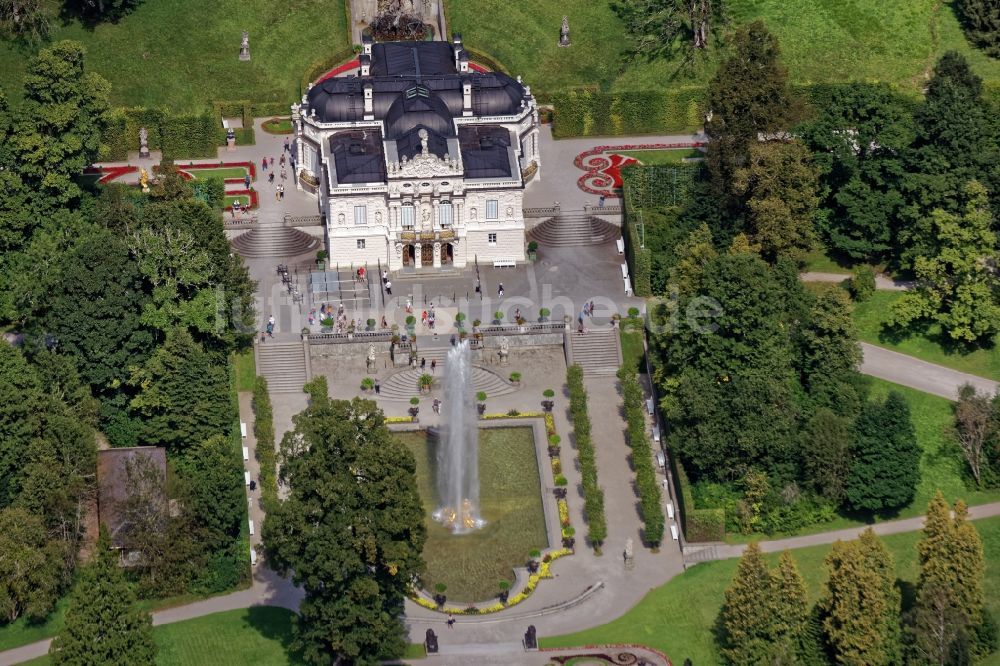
(458, 449)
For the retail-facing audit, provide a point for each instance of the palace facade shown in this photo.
(418, 161)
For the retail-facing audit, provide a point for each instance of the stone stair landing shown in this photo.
(598, 351)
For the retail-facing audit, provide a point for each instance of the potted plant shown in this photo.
(415, 409)
(543, 314)
(395, 339)
(475, 324)
(633, 313)
(327, 325)
(561, 481)
(497, 318)
(554, 445)
(460, 322)
(350, 331)
(321, 259)
(521, 321)
(532, 250)
(481, 406)
(367, 384)
(439, 597)
(515, 378)
(533, 562)
(548, 403)
(504, 591)
(411, 323)
(424, 383)
(370, 325)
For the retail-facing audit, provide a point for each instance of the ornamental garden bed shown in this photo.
(245, 197)
(278, 126)
(472, 565)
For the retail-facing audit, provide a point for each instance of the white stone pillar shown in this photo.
(417, 255)
(437, 255)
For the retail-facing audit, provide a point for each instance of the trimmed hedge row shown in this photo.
(658, 185)
(699, 524)
(188, 135)
(323, 65)
(587, 112)
(593, 495)
(650, 500)
(263, 430)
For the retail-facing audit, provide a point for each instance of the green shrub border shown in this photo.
(322, 65)
(593, 495)
(698, 524)
(590, 112)
(263, 430)
(650, 500)
(187, 135)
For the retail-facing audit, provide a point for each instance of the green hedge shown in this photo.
(263, 430)
(640, 259)
(650, 499)
(593, 495)
(187, 136)
(323, 65)
(587, 112)
(658, 185)
(698, 524)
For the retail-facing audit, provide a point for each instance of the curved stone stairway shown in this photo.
(274, 241)
(573, 229)
(403, 385)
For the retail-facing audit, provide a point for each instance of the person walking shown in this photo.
(434, 365)
(388, 287)
(451, 621)
(287, 147)
(500, 290)
(277, 191)
(281, 161)
(385, 276)
(423, 364)
(270, 178)
(378, 387)
(272, 162)
(246, 181)
(263, 164)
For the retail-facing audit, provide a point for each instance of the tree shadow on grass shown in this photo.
(275, 624)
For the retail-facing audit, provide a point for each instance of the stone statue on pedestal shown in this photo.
(371, 358)
(143, 143)
(564, 32)
(245, 46)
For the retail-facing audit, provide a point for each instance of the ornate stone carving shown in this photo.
(340, 218)
(378, 217)
(399, 249)
(510, 211)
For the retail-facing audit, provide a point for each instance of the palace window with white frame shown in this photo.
(445, 214)
(361, 215)
(492, 209)
(491, 239)
(361, 243)
(408, 215)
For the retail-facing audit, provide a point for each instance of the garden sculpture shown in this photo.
(143, 142)
(245, 46)
(504, 350)
(564, 32)
(371, 358)
(144, 179)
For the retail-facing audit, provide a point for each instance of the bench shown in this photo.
(656, 434)
(246, 454)
(624, 271)
(670, 510)
(620, 243)
(251, 527)
(673, 532)
(649, 405)
(243, 429)
(628, 287)
(504, 263)
(661, 460)
(253, 556)
(246, 477)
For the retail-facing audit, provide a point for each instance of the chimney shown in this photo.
(466, 97)
(366, 64)
(369, 106)
(366, 44)
(463, 61)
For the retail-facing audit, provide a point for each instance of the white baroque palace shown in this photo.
(418, 161)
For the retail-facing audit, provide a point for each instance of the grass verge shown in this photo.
(678, 617)
(246, 371)
(870, 316)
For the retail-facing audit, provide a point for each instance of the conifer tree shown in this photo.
(748, 628)
(102, 624)
(789, 609)
(860, 607)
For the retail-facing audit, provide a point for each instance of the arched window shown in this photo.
(445, 214)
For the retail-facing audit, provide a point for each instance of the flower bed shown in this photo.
(603, 165)
(340, 69)
(109, 173)
(249, 166)
(252, 194)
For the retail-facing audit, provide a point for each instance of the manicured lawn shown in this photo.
(246, 371)
(678, 617)
(820, 261)
(244, 200)
(473, 564)
(182, 54)
(651, 157)
(247, 636)
(20, 632)
(278, 126)
(632, 349)
(221, 172)
(870, 316)
(820, 41)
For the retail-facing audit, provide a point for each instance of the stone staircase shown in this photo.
(274, 241)
(598, 351)
(403, 384)
(573, 229)
(283, 364)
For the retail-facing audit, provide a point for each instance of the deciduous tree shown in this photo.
(31, 568)
(351, 531)
(981, 20)
(976, 423)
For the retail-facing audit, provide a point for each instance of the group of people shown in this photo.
(268, 331)
(327, 312)
(267, 164)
